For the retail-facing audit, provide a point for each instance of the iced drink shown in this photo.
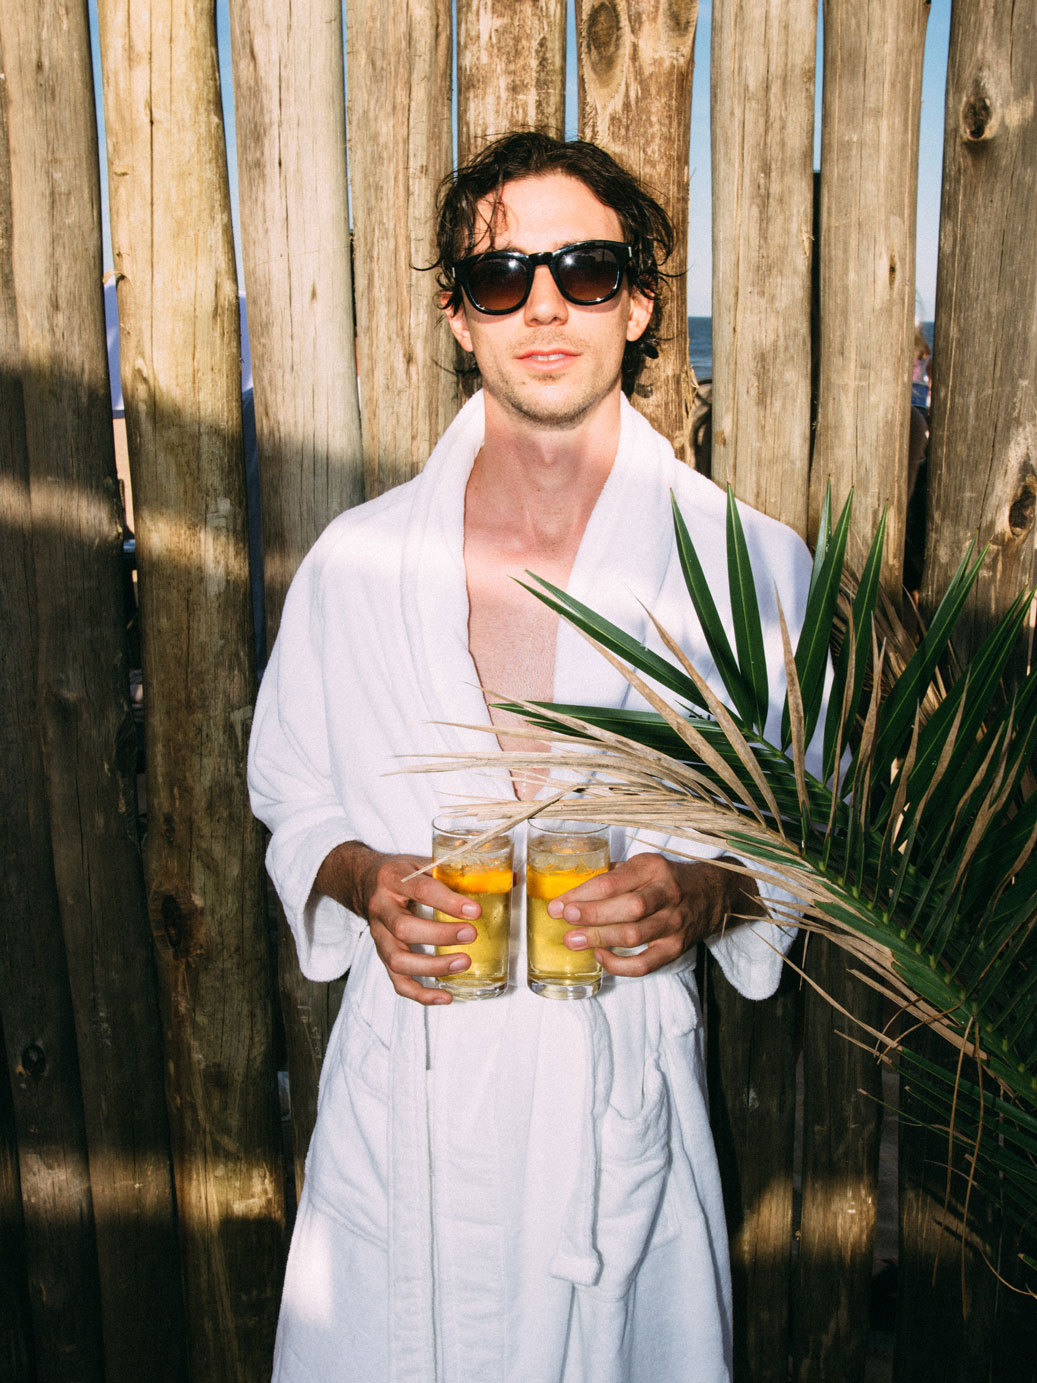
(561, 855)
(484, 873)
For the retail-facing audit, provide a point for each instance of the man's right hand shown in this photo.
(376, 886)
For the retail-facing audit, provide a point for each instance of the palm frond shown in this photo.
(915, 849)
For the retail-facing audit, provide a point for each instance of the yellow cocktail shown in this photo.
(483, 873)
(561, 855)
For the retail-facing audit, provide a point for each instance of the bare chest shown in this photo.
(511, 637)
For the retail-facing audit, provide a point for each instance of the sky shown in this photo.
(700, 256)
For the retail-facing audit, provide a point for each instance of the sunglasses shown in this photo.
(586, 274)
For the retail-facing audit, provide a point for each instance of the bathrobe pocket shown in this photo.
(635, 1162)
(346, 1167)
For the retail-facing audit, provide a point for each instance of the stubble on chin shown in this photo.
(548, 406)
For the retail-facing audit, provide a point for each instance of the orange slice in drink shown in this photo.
(551, 885)
(472, 881)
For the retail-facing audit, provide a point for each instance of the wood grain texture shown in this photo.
(842, 1114)
(983, 452)
(15, 1314)
(81, 697)
(982, 479)
(52, 1327)
(947, 1310)
(762, 132)
(752, 1104)
(171, 237)
(510, 70)
(869, 155)
(399, 151)
(626, 50)
(289, 101)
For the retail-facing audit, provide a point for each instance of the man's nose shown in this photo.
(545, 303)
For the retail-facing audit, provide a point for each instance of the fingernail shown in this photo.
(466, 934)
(554, 908)
(576, 941)
(461, 963)
(571, 913)
(470, 910)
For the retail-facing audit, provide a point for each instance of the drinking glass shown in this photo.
(483, 871)
(561, 854)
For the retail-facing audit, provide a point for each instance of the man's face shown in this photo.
(550, 362)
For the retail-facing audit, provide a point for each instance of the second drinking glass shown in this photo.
(560, 855)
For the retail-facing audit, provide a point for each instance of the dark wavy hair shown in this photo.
(529, 153)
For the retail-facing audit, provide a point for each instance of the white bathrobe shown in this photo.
(515, 1190)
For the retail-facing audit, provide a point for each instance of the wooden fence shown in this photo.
(145, 1185)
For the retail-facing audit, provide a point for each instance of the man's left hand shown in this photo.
(664, 905)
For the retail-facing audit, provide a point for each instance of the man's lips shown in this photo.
(548, 355)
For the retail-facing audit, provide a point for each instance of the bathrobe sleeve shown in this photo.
(290, 782)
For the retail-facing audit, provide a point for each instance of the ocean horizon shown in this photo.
(700, 344)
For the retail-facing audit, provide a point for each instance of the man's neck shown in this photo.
(537, 486)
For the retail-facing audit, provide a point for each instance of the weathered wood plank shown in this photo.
(510, 70)
(752, 1105)
(626, 50)
(49, 1173)
(982, 476)
(399, 150)
(946, 1293)
(57, 1211)
(82, 690)
(15, 1315)
(842, 1117)
(54, 1217)
(983, 452)
(762, 131)
(171, 237)
(869, 154)
(289, 101)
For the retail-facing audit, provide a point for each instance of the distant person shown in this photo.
(918, 442)
(921, 373)
(515, 1189)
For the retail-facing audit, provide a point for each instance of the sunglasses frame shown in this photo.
(462, 269)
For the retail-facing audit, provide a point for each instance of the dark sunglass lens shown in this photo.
(589, 274)
(497, 283)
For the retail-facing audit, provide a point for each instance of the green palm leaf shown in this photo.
(712, 626)
(812, 648)
(610, 636)
(851, 665)
(917, 857)
(916, 679)
(745, 614)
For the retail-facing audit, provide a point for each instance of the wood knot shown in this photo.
(979, 120)
(33, 1062)
(63, 697)
(1020, 511)
(177, 918)
(603, 38)
(681, 16)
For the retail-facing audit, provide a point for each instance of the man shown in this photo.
(514, 1189)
